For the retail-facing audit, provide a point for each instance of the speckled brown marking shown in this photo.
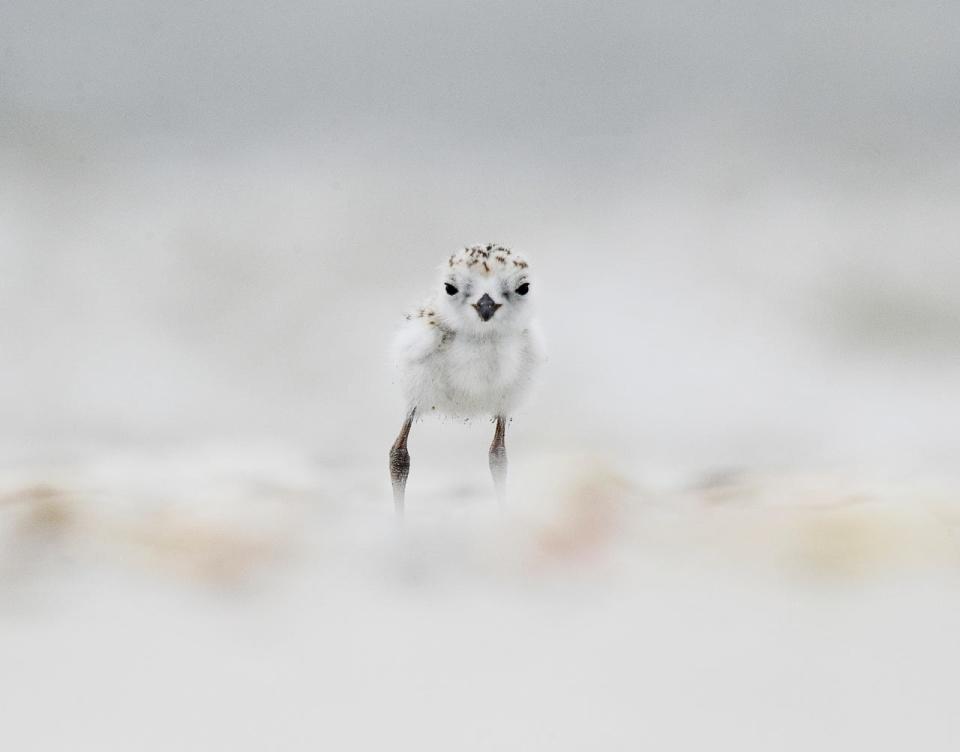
(472, 255)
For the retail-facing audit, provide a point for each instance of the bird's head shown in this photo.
(485, 289)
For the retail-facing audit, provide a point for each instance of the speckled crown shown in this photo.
(487, 259)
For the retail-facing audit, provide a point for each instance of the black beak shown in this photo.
(486, 307)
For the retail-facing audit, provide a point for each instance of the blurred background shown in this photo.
(735, 494)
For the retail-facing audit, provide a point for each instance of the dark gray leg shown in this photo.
(400, 463)
(498, 458)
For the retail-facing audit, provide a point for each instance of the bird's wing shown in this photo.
(418, 338)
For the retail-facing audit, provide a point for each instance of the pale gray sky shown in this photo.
(607, 85)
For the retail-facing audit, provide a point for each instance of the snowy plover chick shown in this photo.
(470, 350)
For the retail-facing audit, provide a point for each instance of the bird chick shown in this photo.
(471, 349)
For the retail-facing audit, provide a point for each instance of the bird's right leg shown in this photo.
(400, 463)
(498, 459)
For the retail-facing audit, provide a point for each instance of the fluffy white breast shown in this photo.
(441, 371)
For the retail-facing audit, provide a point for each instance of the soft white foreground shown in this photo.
(253, 598)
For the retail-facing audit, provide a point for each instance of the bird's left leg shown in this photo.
(498, 458)
(400, 463)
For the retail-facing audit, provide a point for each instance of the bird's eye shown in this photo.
(523, 289)
(451, 290)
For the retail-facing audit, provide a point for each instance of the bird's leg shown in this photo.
(400, 463)
(498, 459)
